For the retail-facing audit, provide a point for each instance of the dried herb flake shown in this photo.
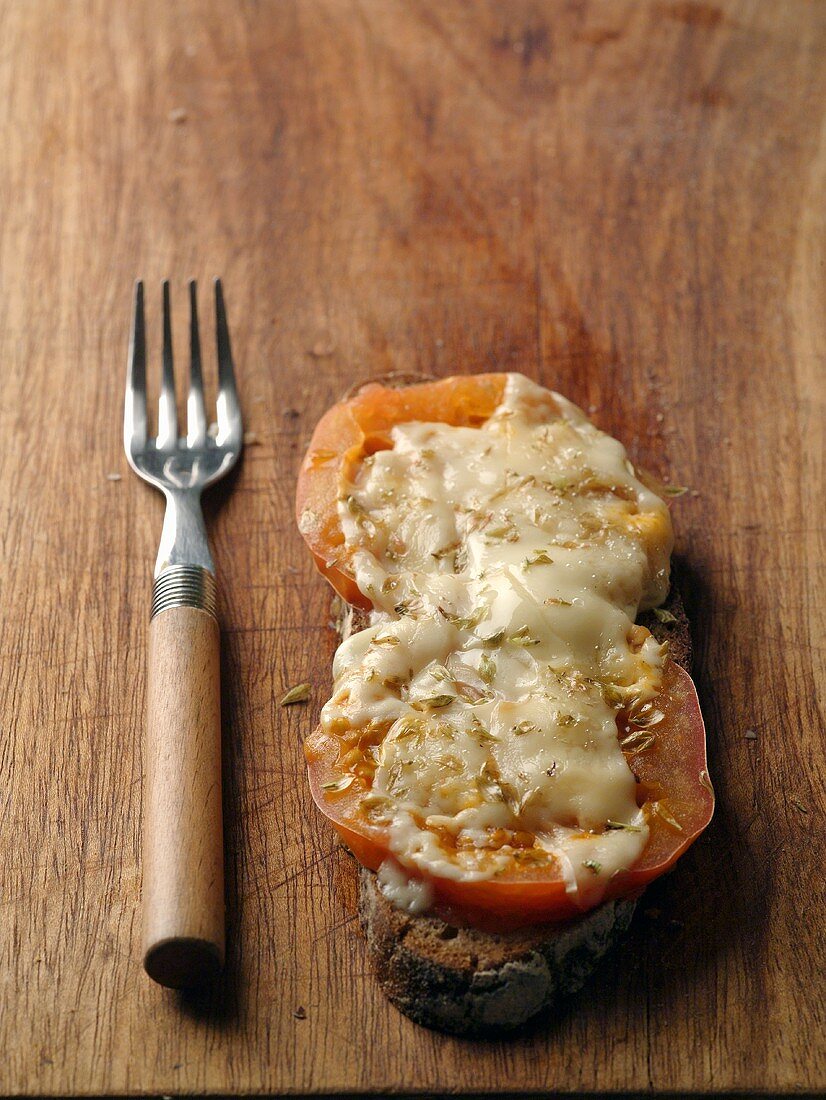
(298, 694)
(663, 615)
(435, 702)
(539, 557)
(338, 785)
(487, 668)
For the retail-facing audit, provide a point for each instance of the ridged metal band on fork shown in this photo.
(185, 586)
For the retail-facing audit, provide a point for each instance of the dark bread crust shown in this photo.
(678, 632)
(481, 984)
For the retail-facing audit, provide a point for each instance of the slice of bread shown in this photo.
(477, 983)
(474, 983)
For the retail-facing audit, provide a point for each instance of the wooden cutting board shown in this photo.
(623, 200)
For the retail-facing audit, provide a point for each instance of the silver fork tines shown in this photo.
(182, 466)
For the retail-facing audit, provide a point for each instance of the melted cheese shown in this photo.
(412, 895)
(506, 564)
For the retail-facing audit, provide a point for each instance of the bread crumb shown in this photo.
(750, 735)
(251, 439)
(300, 1013)
(322, 349)
(212, 430)
(178, 115)
(113, 477)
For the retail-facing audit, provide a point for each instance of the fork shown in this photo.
(183, 865)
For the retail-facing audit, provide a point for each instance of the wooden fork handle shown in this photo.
(183, 861)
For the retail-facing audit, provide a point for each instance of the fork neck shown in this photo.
(184, 537)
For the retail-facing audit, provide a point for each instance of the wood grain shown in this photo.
(182, 871)
(622, 199)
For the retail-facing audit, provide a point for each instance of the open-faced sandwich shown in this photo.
(509, 752)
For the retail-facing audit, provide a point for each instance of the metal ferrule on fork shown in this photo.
(185, 586)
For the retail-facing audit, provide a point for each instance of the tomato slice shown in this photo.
(674, 788)
(360, 426)
(671, 769)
